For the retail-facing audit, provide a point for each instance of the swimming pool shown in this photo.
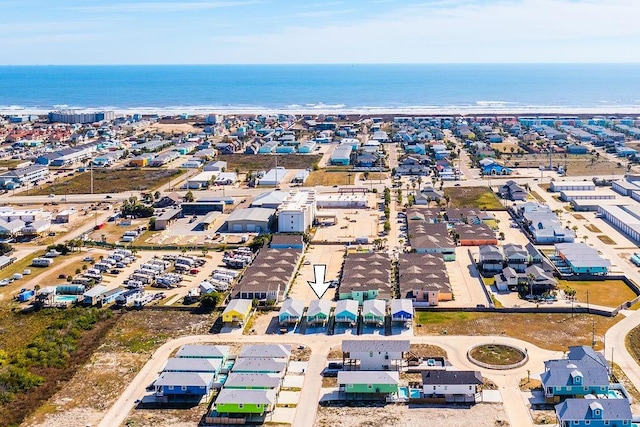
(406, 392)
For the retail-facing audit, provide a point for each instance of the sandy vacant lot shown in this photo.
(413, 415)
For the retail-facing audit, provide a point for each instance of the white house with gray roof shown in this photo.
(203, 351)
(177, 364)
(370, 355)
(277, 351)
(258, 365)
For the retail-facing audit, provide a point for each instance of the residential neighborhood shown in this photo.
(283, 269)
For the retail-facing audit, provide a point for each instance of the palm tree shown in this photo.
(584, 238)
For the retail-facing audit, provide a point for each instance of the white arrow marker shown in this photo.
(319, 286)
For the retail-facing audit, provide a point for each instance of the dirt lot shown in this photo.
(473, 197)
(324, 177)
(111, 181)
(257, 162)
(126, 348)
(550, 331)
(412, 415)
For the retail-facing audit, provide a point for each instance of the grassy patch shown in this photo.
(633, 343)
(489, 281)
(537, 197)
(550, 331)
(257, 162)
(10, 163)
(497, 354)
(606, 240)
(530, 384)
(610, 293)
(45, 354)
(329, 177)
(473, 197)
(427, 350)
(496, 302)
(112, 181)
(592, 228)
(579, 216)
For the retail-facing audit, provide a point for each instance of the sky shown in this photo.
(53, 32)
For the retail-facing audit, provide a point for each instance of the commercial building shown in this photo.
(342, 201)
(297, 212)
(273, 178)
(258, 220)
(72, 117)
(557, 186)
(600, 194)
(23, 176)
(624, 218)
(202, 180)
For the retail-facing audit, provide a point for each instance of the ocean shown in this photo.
(446, 88)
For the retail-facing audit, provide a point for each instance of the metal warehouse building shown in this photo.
(250, 220)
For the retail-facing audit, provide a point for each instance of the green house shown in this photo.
(238, 401)
(318, 312)
(368, 382)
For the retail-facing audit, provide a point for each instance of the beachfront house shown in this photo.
(179, 386)
(454, 386)
(594, 413)
(346, 311)
(369, 355)
(401, 310)
(203, 351)
(238, 401)
(291, 312)
(583, 372)
(318, 312)
(373, 312)
(237, 311)
(363, 384)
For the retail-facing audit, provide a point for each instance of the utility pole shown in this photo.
(91, 171)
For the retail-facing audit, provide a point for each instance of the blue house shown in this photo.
(594, 412)
(184, 385)
(583, 372)
(401, 310)
(496, 169)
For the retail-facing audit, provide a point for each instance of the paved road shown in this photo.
(456, 347)
(616, 349)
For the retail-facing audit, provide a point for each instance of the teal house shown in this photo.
(318, 312)
(236, 401)
(346, 311)
(583, 372)
(368, 383)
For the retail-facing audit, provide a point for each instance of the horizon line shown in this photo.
(316, 64)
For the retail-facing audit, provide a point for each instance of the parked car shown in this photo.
(62, 276)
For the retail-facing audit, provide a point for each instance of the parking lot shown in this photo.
(463, 277)
(330, 255)
(351, 224)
